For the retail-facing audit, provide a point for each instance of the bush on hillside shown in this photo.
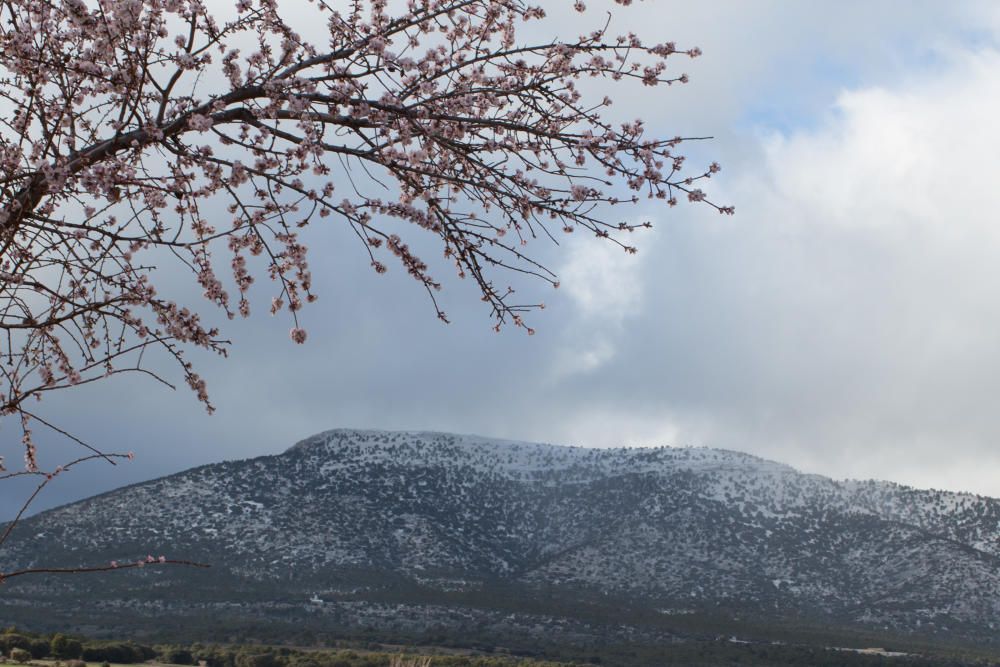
(65, 648)
(40, 648)
(20, 655)
(258, 660)
(117, 652)
(13, 640)
(179, 656)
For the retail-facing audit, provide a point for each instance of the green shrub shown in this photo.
(39, 648)
(12, 640)
(20, 655)
(117, 652)
(179, 656)
(65, 648)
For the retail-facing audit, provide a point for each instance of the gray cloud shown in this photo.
(844, 321)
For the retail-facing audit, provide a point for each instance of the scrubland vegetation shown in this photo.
(20, 648)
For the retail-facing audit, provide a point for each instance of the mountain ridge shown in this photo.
(443, 527)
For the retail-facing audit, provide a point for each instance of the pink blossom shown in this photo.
(199, 122)
(462, 129)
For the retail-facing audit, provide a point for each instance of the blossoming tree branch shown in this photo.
(128, 126)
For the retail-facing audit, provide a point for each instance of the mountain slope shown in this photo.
(418, 531)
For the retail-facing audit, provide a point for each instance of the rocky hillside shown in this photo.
(431, 532)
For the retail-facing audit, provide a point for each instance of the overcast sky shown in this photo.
(845, 321)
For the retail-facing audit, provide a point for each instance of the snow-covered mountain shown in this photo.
(418, 531)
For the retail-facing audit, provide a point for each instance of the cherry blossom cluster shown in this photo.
(138, 135)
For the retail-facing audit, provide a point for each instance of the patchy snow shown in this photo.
(679, 528)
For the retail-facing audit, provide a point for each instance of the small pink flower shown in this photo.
(298, 335)
(200, 123)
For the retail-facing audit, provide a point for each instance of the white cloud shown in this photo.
(901, 157)
(603, 284)
(850, 324)
(602, 280)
